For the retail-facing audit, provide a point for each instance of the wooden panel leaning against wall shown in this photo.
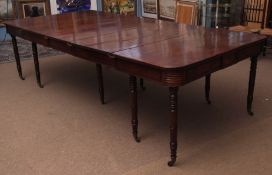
(187, 12)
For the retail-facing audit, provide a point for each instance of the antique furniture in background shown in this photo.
(254, 20)
(217, 13)
(187, 12)
(236, 9)
(160, 51)
(253, 16)
(269, 15)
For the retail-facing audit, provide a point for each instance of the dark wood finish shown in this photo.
(100, 82)
(251, 84)
(264, 48)
(36, 64)
(269, 13)
(142, 84)
(17, 57)
(173, 99)
(162, 51)
(207, 88)
(134, 106)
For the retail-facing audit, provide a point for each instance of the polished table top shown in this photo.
(161, 44)
(166, 52)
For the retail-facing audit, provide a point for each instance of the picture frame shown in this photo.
(167, 9)
(33, 8)
(150, 8)
(119, 6)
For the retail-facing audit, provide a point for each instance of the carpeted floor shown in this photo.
(63, 129)
(25, 50)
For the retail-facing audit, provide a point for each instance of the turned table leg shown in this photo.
(100, 82)
(251, 84)
(142, 83)
(173, 98)
(17, 57)
(264, 48)
(207, 88)
(36, 63)
(134, 106)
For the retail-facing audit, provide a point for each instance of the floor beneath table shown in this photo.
(64, 130)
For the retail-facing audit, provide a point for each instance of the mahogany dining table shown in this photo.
(161, 51)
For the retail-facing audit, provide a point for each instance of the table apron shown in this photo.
(167, 77)
(220, 62)
(181, 76)
(64, 46)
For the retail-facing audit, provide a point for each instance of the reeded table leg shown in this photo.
(17, 57)
(207, 88)
(264, 48)
(173, 98)
(134, 106)
(142, 84)
(100, 82)
(36, 63)
(251, 84)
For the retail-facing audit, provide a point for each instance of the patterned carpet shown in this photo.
(25, 51)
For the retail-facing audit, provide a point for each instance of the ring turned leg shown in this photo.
(134, 106)
(17, 57)
(36, 63)
(207, 88)
(264, 48)
(100, 82)
(251, 84)
(142, 84)
(173, 98)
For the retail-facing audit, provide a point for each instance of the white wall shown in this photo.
(53, 6)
